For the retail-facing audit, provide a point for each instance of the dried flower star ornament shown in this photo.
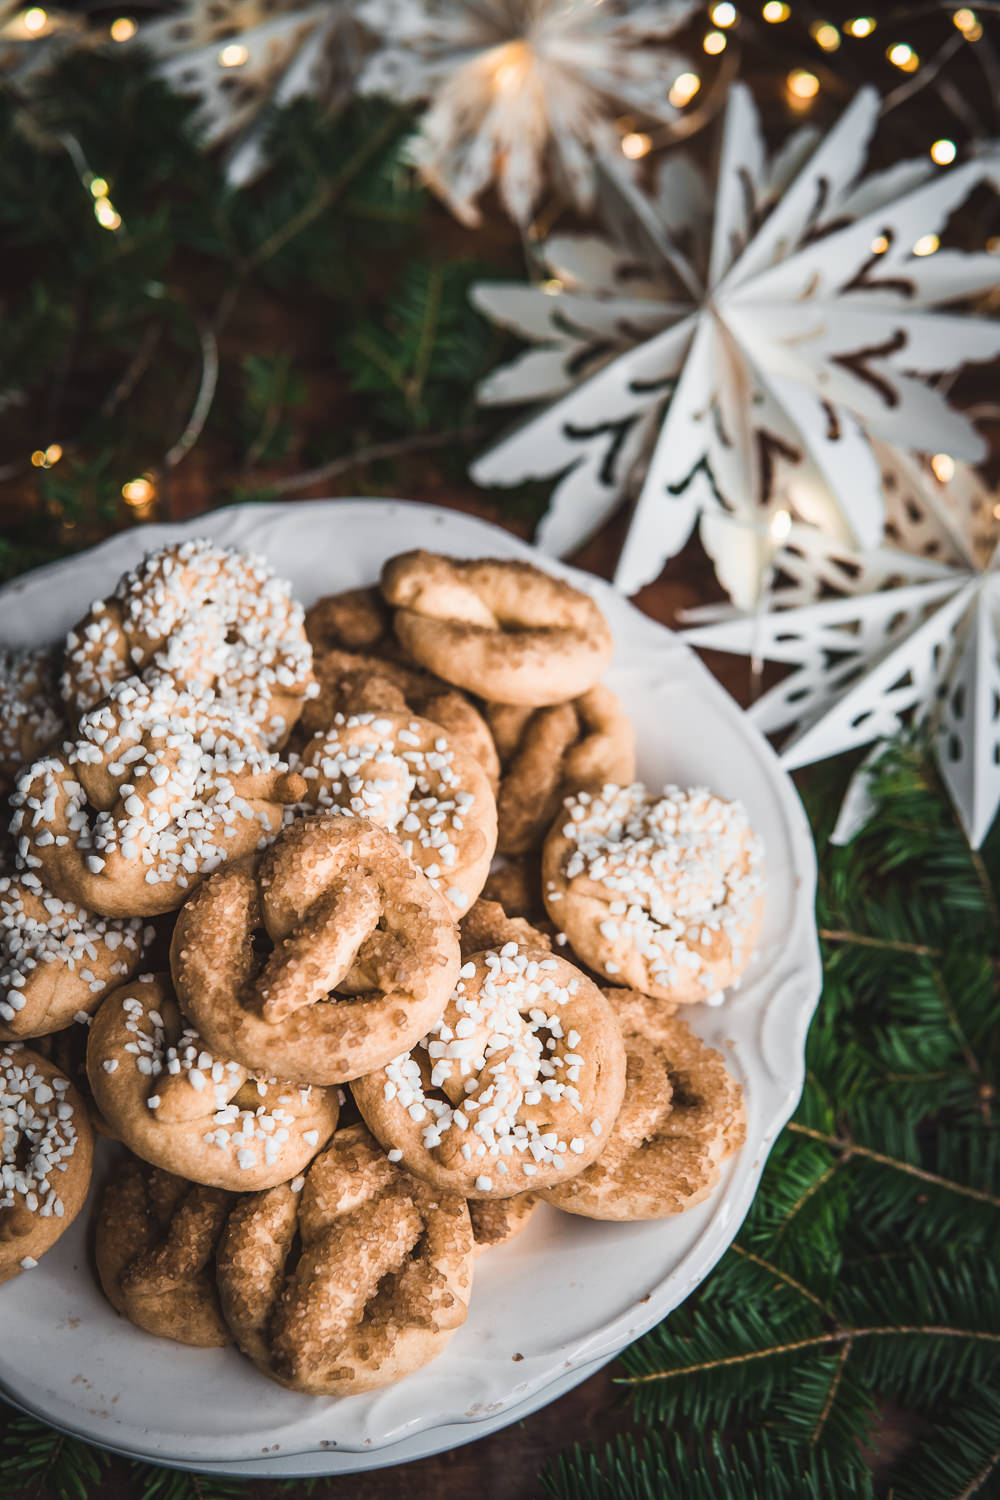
(240, 56)
(906, 633)
(735, 350)
(522, 92)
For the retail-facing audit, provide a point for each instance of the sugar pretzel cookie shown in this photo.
(517, 1086)
(157, 788)
(381, 1283)
(406, 775)
(31, 712)
(682, 1117)
(549, 753)
(662, 893)
(183, 1108)
(365, 953)
(210, 618)
(497, 1221)
(57, 961)
(505, 630)
(154, 1248)
(46, 1157)
(351, 682)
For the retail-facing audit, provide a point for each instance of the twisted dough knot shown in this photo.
(355, 620)
(207, 617)
(682, 1117)
(157, 788)
(46, 1156)
(365, 953)
(406, 775)
(181, 1107)
(31, 717)
(381, 1281)
(496, 1221)
(516, 1086)
(661, 893)
(487, 925)
(504, 630)
(547, 753)
(57, 961)
(351, 682)
(154, 1247)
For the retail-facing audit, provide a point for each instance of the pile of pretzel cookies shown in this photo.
(355, 930)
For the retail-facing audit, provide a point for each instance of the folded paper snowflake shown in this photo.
(903, 635)
(522, 92)
(733, 349)
(239, 56)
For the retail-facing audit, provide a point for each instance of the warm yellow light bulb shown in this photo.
(35, 20)
(927, 244)
(967, 21)
(902, 55)
(138, 492)
(123, 30)
(99, 187)
(944, 152)
(996, 512)
(724, 15)
(53, 454)
(636, 144)
(683, 89)
(776, 10)
(802, 85)
(861, 26)
(714, 43)
(781, 525)
(879, 245)
(38, 459)
(944, 467)
(552, 287)
(105, 214)
(825, 35)
(233, 56)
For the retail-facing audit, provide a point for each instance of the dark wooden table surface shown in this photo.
(506, 1465)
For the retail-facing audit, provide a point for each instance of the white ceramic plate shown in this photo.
(568, 1293)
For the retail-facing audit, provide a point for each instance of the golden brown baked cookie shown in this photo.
(46, 1157)
(57, 961)
(157, 788)
(31, 712)
(496, 1221)
(365, 953)
(682, 1117)
(209, 618)
(380, 1284)
(192, 1112)
(487, 925)
(155, 1247)
(354, 620)
(517, 1086)
(548, 753)
(405, 774)
(663, 893)
(504, 630)
(352, 682)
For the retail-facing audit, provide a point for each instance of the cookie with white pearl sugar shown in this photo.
(406, 774)
(200, 1115)
(681, 1119)
(660, 892)
(210, 618)
(46, 1157)
(57, 961)
(379, 1286)
(157, 787)
(516, 1087)
(32, 718)
(154, 1249)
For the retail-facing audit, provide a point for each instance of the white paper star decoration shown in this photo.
(909, 638)
(236, 56)
(522, 90)
(737, 348)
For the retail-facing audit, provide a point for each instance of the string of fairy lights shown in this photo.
(801, 87)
